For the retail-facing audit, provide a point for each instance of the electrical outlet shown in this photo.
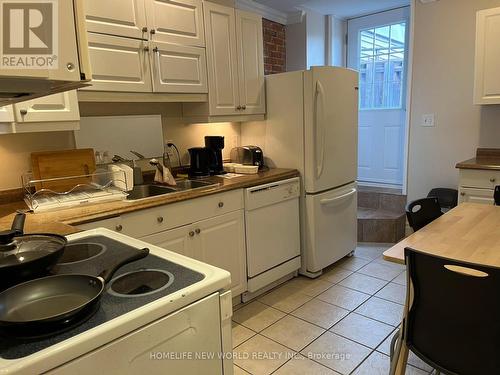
(428, 120)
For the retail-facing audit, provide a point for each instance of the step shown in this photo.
(378, 225)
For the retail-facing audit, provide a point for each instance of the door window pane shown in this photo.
(381, 66)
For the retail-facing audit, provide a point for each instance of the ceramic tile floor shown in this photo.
(340, 323)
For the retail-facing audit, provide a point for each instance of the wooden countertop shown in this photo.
(488, 159)
(62, 221)
(469, 232)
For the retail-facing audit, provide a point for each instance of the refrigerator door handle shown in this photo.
(320, 128)
(334, 199)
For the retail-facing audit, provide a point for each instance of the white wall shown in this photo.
(443, 70)
(338, 31)
(296, 46)
(316, 39)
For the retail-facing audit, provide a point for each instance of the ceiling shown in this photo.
(338, 8)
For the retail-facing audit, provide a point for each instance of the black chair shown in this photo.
(453, 322)
(422, 211)
(448, 198)
(497, 195)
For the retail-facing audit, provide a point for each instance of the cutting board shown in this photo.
(65, 163)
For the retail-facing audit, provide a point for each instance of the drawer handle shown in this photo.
(198, 231)
(191, 233)
(243, 107)
(221, 204)
(493, 179)
(155, 49)
(23, 112)
(152, 31)
(462, 194)
(159, 219)
(144, 29)
(119, 227)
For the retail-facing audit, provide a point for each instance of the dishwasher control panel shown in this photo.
(274, 192)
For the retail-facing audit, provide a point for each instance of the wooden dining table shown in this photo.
(469, 232)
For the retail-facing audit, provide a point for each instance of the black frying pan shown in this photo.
(26, 256)
(53, 300)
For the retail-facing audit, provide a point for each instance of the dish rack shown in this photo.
(64, 192)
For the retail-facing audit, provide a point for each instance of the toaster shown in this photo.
(248, 155)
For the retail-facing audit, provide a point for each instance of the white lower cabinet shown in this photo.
(482, 196)
(478, 185)
(210, 229)
(219, 241)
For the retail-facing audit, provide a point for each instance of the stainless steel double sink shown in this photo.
(153, 190)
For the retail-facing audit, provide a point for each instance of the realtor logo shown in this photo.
(29, 34)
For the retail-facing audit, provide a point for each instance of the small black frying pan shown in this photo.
(53, 300)
(26, 256)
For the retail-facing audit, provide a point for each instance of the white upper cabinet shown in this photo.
(56, 107)
(178, 69)
(119, 64)
(222, 61)
(128, 18)
(176, 21)
(487, 75)
(250, 62)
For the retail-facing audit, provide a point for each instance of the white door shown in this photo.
(119, 64)
(250, 62)
(377, 47)
(330, 128)
(178, 68)
(177, 240)
(222, 244)
(176, 21)
(56, 107)
(125, 19)
(222, 59)
(331, 226)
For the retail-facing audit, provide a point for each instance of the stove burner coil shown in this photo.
(140, 283)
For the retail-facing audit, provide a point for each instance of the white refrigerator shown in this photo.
(312, 125)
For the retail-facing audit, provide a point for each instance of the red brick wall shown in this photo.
(274, 47)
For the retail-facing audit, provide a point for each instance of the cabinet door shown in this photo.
(222, 244)
(481, 196)
(119, 64)
(178, 68)
(176, 21)
(222, 60)
(179, 240)
(487, 77)
(56, 107)
(128, 19)
(6, 114)
(250, 62)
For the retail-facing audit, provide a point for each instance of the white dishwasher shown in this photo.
(272, 226)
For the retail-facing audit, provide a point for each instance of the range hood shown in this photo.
(45, 60)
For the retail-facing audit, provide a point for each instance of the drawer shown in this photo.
(152, 220)
(471, 195)
(479, 178)
(114, 223)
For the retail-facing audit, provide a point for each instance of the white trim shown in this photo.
(409, 82)
(296, 17)
(265, 11)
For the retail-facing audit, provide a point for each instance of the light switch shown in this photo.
(428, 120)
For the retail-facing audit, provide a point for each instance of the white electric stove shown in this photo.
(162, 313)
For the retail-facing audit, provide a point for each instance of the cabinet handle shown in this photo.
(152, 31)
(238, 108)
(493, 179)
(155, 50)
(198, 230)
(70, 66)
(119, 227)
(191, 234)
(160, 219)
(221, 204)
(462, 194)
(144, 29)
(243, 107)
(23, 112)
(146, 48)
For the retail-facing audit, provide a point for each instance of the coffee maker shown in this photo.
(215, 145)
